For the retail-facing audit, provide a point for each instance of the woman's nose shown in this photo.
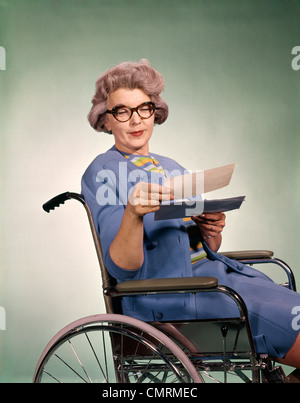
(135, 118)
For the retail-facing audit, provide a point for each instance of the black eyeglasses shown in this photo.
(124, 113)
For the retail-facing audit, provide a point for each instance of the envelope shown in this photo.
(187, 208)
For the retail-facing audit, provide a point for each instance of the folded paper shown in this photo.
(199, 182)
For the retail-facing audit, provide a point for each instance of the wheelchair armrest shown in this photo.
(163, 285)
(175, 285)
(263, 256)
(248, 254)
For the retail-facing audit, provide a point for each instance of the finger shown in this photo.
(148, 202)
(209, 230)
(212, 216)
(160, 188)
(149, 194)
(212, 229)
(153, 195)
(152, 191)
(205, 220)
(155, 189)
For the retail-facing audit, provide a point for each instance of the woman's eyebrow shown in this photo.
(118, 105)
(126, 106)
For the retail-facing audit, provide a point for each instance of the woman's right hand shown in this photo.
(146, 197)
(126, 250)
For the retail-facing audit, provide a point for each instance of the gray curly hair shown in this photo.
(129, 75)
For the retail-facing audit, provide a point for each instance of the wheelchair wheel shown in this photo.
(113, 348)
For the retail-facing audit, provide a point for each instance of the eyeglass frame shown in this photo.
(113, 110)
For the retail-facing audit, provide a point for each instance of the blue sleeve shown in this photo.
(101, 194)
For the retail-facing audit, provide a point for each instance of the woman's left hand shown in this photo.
(211, 226)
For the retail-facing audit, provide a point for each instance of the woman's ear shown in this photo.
(107, 125)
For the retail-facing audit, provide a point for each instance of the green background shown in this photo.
(233, 97)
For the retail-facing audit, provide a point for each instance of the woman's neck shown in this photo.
(142, 151)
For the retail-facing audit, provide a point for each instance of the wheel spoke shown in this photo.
(112, 351)
(80, 363)
(72, 369)
(97, 359)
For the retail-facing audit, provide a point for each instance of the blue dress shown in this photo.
(271, 307)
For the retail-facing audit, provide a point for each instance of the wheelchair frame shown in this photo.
(163, 351)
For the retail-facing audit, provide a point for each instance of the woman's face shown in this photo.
(132, 136)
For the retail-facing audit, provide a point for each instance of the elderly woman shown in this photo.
(124, 188)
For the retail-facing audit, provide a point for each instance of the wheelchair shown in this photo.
(114, 348)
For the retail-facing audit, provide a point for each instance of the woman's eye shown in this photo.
(121, 112)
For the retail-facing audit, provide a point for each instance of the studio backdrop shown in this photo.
(232, 83)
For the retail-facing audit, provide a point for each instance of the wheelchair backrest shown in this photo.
(112, 305)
